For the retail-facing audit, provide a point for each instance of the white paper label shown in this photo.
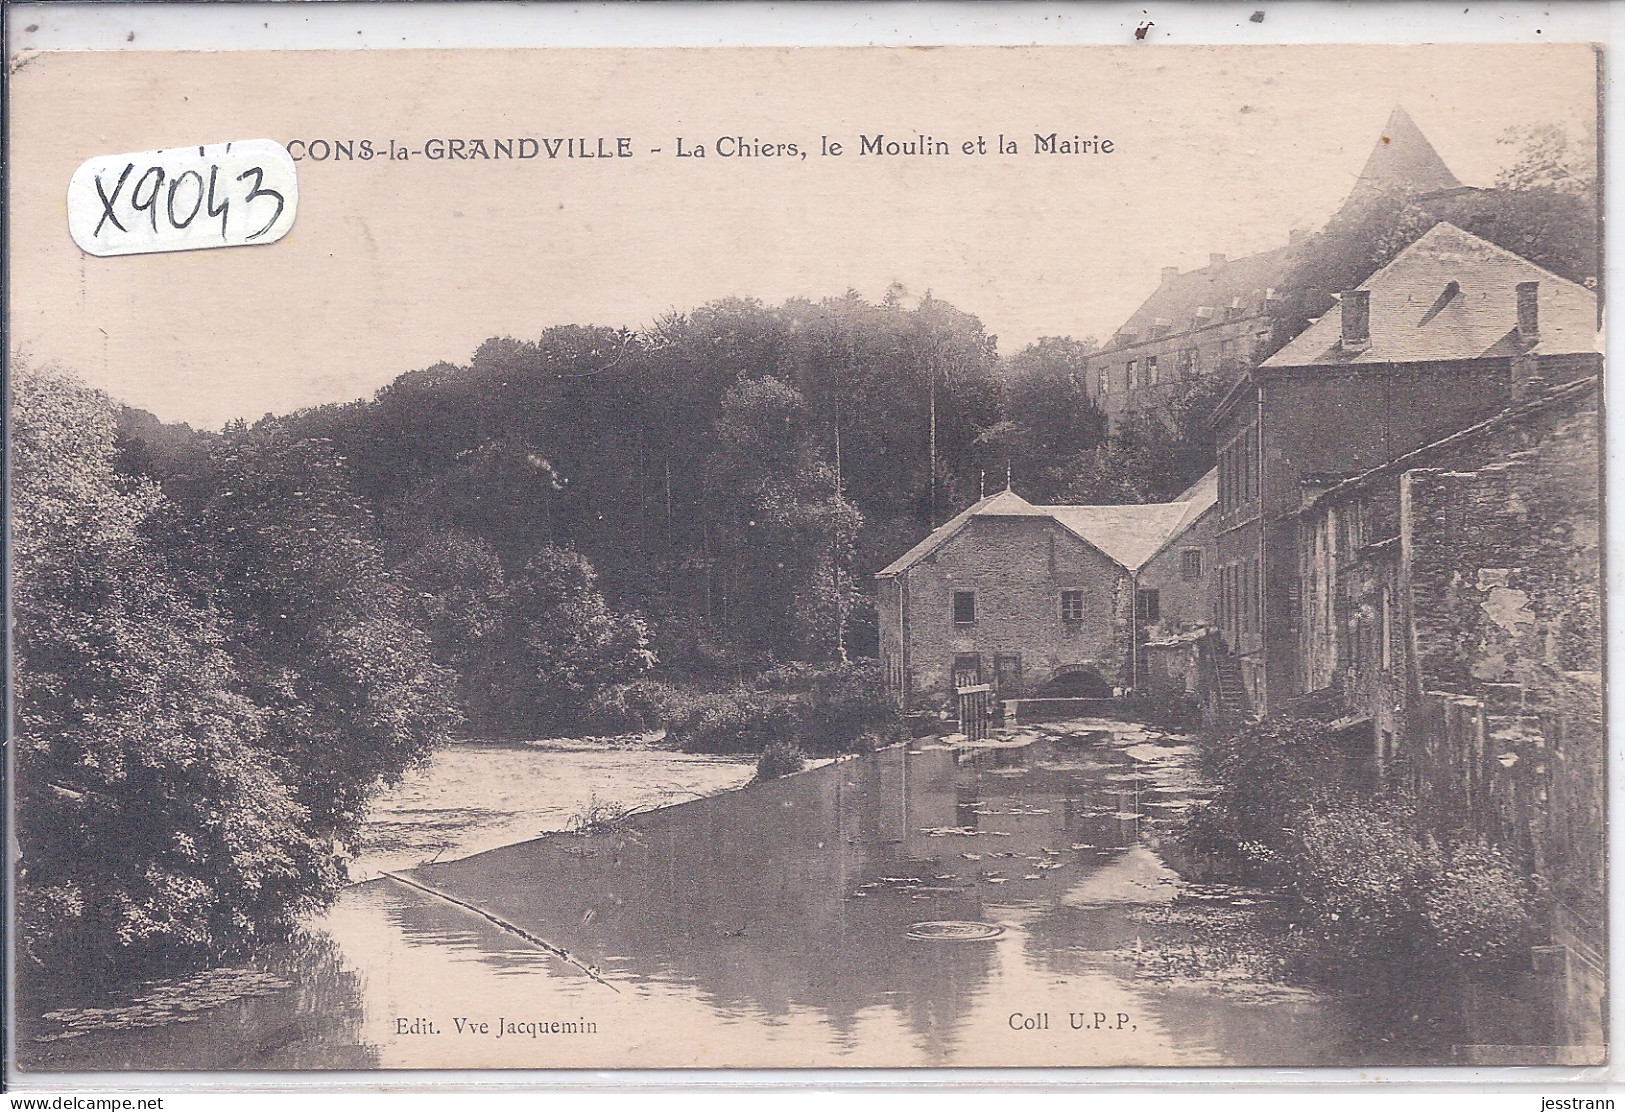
(183, 198)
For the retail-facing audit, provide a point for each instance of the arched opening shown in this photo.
(1075, 681)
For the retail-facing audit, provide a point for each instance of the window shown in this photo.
(1007, 674)
(1129, 379)
(1387, 633)
(1147, 607)
(1072, 606)
(1237, 486)
(1151, 375)
(1189, 365)
(1252, 584)
(1248, 452)
(1351, 525)
(964, 608)
(1190, 564)
(1104, 386)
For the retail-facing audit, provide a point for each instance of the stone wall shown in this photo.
(1185, 602)
(1502, 573)
(1504, 564)
(1017, 567)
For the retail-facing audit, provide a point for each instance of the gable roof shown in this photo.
(1216, 287)
(1404, 157)
(1201, 497)
(1451, 295)
(1129, 535)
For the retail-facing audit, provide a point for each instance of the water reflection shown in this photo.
(298, 1010)
(770, 927)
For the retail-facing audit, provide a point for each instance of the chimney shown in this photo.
(1356, 320)
(1169, 273)
(1215, 262)
(1528, 314)
(1526, 377)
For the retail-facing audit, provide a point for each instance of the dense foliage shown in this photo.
(781, 758)
(150, 816)
(731, 478)
(830, 709)
(1367, 881)
(207, 689)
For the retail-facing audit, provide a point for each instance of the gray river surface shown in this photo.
(778, 925)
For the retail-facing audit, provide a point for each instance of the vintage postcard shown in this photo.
(815, 557)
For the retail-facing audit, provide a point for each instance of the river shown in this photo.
(929, 905)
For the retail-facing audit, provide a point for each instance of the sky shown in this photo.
(392, 266)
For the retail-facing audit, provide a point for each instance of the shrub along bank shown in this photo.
(791, 710)
(1366, 884)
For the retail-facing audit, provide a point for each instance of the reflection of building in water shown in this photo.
(799, 893)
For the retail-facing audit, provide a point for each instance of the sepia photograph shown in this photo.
(806, 557)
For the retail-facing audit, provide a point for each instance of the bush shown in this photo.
(632, 708)
(835, 708)
(597, 816)
(780, 758)
(795, 677)
(1266, 777)
(1360, 877)
(733, 722)
(846, 702)
(1480, 908)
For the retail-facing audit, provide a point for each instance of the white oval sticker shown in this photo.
(183, 198)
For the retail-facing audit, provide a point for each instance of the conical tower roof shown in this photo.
(1404, 158)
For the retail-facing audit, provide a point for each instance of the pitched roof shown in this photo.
(1129, 535)
(1216, 287)
(1006, 503)
(1404, 157)
(1202, 496)
(1451, 295)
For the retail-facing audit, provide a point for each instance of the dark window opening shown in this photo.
(1007, 674)
(1190, 564)
(1072, 606)
(1147, 607)
(964, 607)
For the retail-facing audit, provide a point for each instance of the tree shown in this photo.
(1050, 421)
(1548, 159)
(558, 646)
(150, 820)
(272, 533)
(784, 531)
(457, 593)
